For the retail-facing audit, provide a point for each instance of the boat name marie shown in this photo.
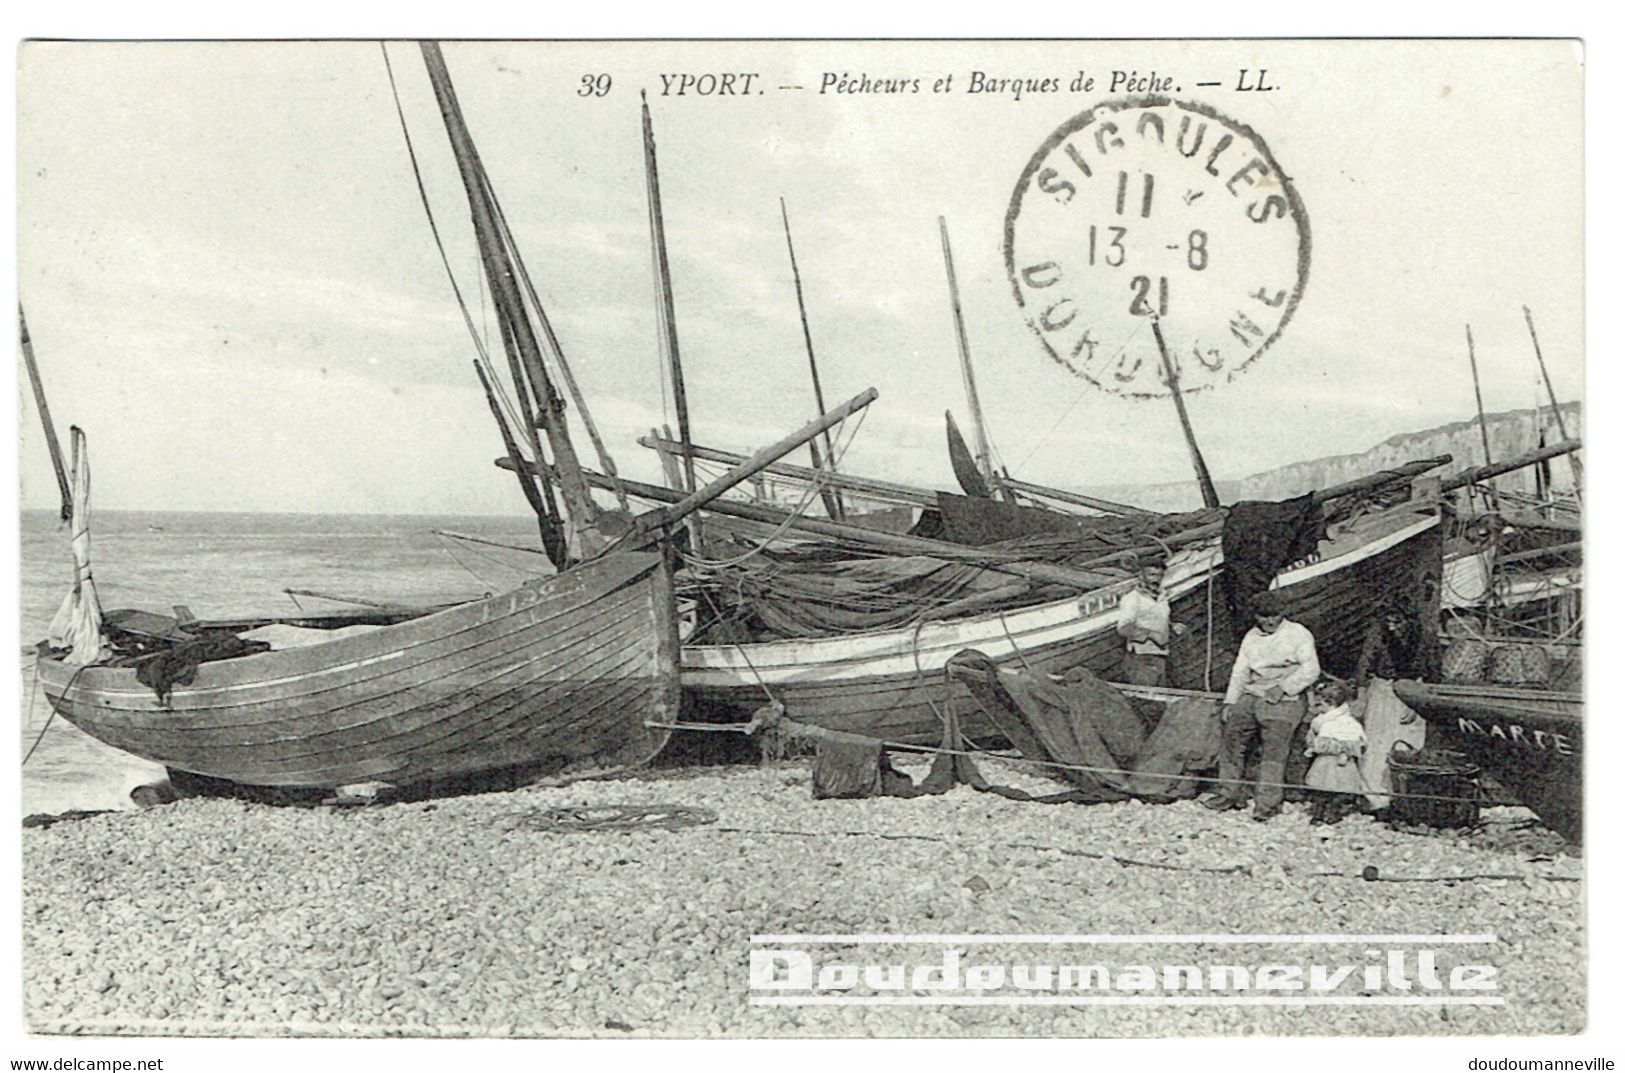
(1513, 733)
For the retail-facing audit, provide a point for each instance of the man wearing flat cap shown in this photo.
(1275, 666)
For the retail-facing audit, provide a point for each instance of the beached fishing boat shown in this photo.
(1530, 741)
(891, 683)
(561, 674)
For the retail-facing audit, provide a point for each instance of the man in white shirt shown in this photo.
(1275, 666)
(1143, 621)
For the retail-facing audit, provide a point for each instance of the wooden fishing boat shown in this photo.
(1530, 741)
(561, 674)
(891, 683)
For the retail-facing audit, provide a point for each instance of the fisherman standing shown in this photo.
(1265, 701)
(1143, 620)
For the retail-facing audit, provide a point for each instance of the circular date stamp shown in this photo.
(1156, 210)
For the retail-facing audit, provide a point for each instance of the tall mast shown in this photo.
(668, 311)
(45, 418)
(1563, 433)
(984, 454)
(510, 305)
(1210, 495)
(832, 497)
(1483, 426)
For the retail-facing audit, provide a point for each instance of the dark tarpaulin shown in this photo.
(1186, 740)
(851, 765)
(1262, 538)
(177, 666)
(978, 522)
(1082, 723)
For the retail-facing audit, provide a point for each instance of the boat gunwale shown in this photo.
(262, 669)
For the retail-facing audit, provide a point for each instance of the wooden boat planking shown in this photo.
(562, 673)
(1530, 741)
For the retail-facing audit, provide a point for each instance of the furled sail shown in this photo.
(78, 622)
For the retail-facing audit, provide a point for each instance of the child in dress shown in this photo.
(1336, 740)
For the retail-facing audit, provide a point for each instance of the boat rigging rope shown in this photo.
(810, 493)
(448, 545)
(556, 352)
(49, 719)
(462, 304)
(1044, 438)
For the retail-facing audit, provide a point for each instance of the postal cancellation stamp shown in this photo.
(1154, 214)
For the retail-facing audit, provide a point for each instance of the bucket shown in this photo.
(1445, 782)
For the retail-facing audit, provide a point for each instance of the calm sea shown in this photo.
(228, 564)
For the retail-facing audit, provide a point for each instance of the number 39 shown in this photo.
(594, 85)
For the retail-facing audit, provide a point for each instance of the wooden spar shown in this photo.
(1539, 553)
(1483, 427)
(471, 539)
(548, 514)
(894, 543)
(358, 601)
(553, 540)
(51, 441)
(668, 312)
(984, 453)
(666, 448)
(1210, 495)
(698, 498)
(1377, 480)
(831, 497)
(889, 491)
(1574, 459)
(553, 345)
(505, 294)
(1529, 458)
(922, 497)
(864, 486)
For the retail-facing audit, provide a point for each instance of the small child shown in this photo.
(1336, 740)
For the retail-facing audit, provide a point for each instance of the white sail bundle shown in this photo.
(78, 622)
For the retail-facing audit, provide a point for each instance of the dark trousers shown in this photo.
(1144, 669)
(1273, 726)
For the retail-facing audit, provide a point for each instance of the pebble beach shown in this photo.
(458, 918)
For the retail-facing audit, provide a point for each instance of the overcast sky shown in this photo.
(231, 285)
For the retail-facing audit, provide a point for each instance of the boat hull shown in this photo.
(1529, 741)
(892, 684)
(560, 674)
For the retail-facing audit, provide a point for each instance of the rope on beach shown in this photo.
(1370, 874)
(612, 818)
